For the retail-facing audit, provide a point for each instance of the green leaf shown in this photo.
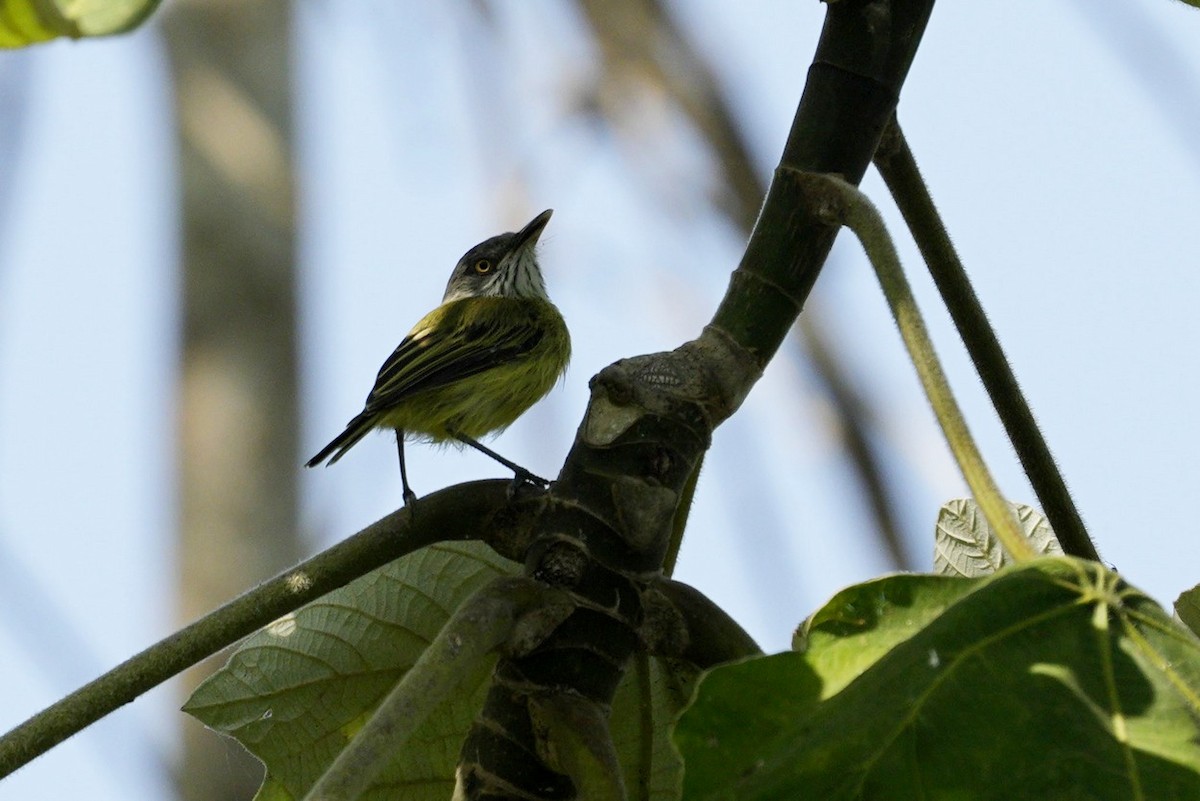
(966, 546)
(863, 622)
(25, 22)
(296, 692)
(1187, 606)
(273, 790)
(1052, 679)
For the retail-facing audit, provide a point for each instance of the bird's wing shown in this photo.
(450, 347)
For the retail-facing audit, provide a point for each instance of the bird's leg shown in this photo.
(520, 474)
(410, 497)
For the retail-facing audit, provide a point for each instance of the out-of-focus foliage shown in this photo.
(26, 22)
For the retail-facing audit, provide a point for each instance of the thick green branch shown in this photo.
(679, 525)
(899, 170)
(853, 85)
(457, 513)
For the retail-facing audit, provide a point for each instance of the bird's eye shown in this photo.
(483, 266)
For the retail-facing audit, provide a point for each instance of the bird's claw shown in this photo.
(522, 477)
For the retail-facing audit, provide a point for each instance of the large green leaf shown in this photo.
(1053, 679)
(24, 22)
(296, 692)
(864, 621)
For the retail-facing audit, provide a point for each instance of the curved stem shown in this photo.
(713, 637)
(461, 510)
(841, 202)
(896, 164)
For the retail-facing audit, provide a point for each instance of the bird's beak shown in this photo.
(528, 235)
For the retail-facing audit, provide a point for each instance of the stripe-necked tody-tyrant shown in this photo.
(494, 347)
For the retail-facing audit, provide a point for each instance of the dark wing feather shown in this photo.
(450, 353)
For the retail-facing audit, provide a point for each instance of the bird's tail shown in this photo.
(356, 429)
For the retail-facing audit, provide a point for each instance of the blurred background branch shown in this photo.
(238, 422)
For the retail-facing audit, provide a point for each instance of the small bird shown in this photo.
(494, 347)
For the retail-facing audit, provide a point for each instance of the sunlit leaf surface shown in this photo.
(1054, 679)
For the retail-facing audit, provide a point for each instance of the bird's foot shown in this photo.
(521, 477)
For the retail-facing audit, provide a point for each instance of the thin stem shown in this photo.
(460, 511)
(477, 628)
(896, 164)
(839, 201)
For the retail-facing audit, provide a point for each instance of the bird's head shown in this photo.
(504, 266)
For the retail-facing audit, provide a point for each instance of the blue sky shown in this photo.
(1058, 139)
